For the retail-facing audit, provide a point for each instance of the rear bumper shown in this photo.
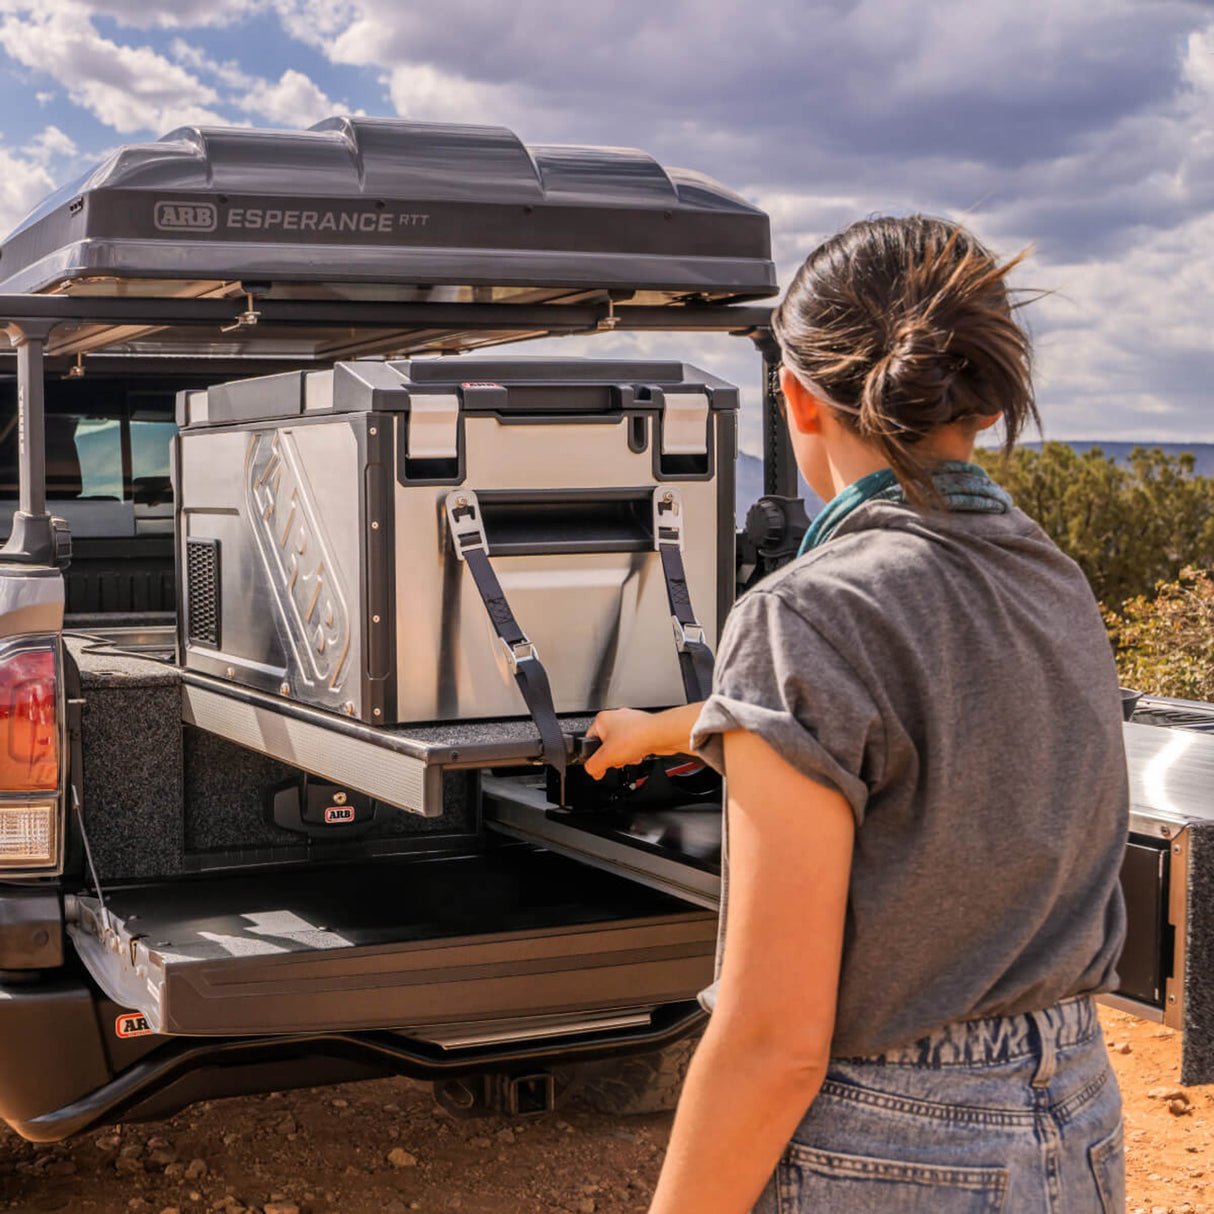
(59, 1074)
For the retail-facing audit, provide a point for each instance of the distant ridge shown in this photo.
(1203, 453)
(750, 467)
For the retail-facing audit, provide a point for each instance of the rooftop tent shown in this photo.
(377, 212)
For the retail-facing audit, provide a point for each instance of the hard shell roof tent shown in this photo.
(264, 250)
(381, 210)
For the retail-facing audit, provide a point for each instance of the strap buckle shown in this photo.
(518, 653)
(667, 518)
(464, 522)
(686, 635)
(468, 537)
(695, 658)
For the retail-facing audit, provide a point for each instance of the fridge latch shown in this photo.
(685, 424)
(432, 427)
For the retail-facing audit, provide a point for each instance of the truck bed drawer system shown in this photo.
(516, 933)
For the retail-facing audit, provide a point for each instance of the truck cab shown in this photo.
(108, 477)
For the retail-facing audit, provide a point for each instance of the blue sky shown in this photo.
(1082, 127)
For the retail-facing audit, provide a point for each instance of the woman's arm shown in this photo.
(629, 735)
(765, 1052)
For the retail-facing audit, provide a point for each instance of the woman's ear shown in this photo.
(804, 410)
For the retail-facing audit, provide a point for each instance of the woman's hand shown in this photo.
(629, 735)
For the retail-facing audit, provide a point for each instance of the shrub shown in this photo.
(1165, 644)
(1128, 526)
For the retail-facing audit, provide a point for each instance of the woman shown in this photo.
(920, 724)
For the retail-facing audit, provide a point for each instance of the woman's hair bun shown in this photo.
(907, 390)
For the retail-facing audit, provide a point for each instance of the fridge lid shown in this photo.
(447, 387)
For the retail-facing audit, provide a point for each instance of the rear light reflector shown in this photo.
(29, 834)
(29, 717)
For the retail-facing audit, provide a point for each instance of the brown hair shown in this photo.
(906, 324)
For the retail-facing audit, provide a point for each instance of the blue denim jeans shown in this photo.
(1010, 1115)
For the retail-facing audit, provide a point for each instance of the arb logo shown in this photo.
(186, 216)
(339, 813)
(132, 1024)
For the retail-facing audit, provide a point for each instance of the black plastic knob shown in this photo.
(766, 523)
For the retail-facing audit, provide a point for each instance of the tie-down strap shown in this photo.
(695, 658)
(468, 535)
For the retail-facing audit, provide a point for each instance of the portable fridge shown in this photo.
(337, 528)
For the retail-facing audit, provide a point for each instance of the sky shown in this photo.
(1083, 129)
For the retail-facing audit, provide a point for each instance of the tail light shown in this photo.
(29, 753)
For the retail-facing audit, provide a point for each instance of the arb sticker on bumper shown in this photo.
(132, 1024)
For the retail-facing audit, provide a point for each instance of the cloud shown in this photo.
(1081, 128)
(317, 22)
(50, 143)
(24, 181)
(1124, 347)
(1003, 80)
(294, 101)
(128, 88)
(429, 93)
(366, 35)
(149, 14)
(196, 59)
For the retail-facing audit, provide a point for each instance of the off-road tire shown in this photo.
(636, 1083)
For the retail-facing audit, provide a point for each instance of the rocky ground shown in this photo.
(383, 1147)
(1169, 1129)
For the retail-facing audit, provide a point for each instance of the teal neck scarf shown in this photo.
(964, 487)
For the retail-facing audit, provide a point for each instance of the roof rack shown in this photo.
(364, 237)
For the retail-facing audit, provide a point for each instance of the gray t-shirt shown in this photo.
(951, 677)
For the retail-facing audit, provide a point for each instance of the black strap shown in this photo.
(695, 658)
(529, 672)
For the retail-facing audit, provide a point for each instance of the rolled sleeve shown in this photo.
(778, 678)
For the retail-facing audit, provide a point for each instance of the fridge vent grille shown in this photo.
(202, 578)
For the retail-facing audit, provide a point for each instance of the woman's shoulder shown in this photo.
(888, 553)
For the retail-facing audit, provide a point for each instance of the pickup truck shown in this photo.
(208, 889)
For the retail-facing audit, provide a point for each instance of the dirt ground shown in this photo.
(384, 1147)
(1169, 1129)
(379, 1147)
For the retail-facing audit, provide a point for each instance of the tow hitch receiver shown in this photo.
(529, 1095)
